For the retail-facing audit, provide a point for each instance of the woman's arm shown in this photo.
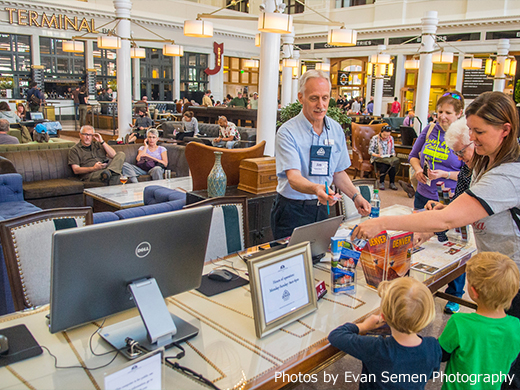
(462, 211)
(372, 148)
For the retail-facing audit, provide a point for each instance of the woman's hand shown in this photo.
(368, 229)
(437, 174)
(433, 205)
(419, 175)
(421, 238)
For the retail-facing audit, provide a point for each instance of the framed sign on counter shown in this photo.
(282, 287)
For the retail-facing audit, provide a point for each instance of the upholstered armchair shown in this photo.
(361, 136)
(201, 159)
(366, 188)
(27, 246)
(229, 230)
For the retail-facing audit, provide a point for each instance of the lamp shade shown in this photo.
(323, 66)
(380, 58)
(342, 37)
(173, 50)
(198, 28)
(411, 64)
(73, 46)
(512, 68)
(274, 22)
(442, 57)
(257, 40)
(390, 69)
(471, 63)
(251, 63)
(290, 63)
(370, 68)
(137, 52)
(108, 42)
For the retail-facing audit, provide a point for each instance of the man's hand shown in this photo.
(362, 205)
(373, 322)
(368, 229)
(99, 166)
(323, 198)
(98, 137)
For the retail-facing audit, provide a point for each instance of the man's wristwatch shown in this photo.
(355, 196)
(102, 142)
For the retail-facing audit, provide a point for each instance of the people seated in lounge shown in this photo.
(254, 101)
(190, 126)
(6, 113)
(20, 111)
(239, 101)
(370, 106)
(228, 134)
(382, 152)
(488, 341)
(141, 126)
(6, 139)
(90, 158)
(410, 117)
(407, 307)
(206, 100)
(151, 159)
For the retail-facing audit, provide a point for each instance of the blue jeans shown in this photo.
(420, 201)
(456, 287)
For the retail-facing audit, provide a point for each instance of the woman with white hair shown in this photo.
(457, 139)
(152, 159)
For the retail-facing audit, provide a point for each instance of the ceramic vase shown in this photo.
(217, 179)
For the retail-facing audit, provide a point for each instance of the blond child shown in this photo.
(488, 341)
(405, 360)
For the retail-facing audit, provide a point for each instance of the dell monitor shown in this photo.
(100, 270)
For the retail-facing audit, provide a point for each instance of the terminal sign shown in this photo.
(23, 17)
(218, 49)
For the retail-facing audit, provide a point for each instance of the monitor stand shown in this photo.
(155, 328)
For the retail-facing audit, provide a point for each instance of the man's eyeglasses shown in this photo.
(453, 95)
(87, 134)
(460, 153)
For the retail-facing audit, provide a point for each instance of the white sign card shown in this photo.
(284, 287)
(145, 373)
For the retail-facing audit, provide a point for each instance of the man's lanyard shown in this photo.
(319, 159)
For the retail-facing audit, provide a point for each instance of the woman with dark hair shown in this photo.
(190, 126)
(382, 152)
(20, 111)
(430, 149)
(6, 113)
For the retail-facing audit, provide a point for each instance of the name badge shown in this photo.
(329, 142)
(319, 160)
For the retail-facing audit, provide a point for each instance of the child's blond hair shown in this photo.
(495, 277)
(407, 304)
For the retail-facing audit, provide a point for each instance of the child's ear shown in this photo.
(473, 294)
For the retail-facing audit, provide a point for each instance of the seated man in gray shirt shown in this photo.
(89, 158)
(4, 137)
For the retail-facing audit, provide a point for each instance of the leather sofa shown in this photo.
(48, 180)
(209, 131)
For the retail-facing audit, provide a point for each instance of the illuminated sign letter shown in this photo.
(219, 51)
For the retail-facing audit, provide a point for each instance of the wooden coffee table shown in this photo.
(119, 197)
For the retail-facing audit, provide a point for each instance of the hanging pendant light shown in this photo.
(290, 63)
(512, 68)
(198, 28)
(442, 57)
(173, 50)
(137, 52)
(323, 66)
(412, 64)
(380, 58)
(251, 63)
(342, 37)
(73, 46)
(274, 22)
(471, 63)
(390, 69)
(109, 42)
(257, 40)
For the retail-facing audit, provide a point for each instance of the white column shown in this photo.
(460, 74)
(287, 42)
(429, 28)
(400, 74)
(137, 78)
(500, 79)
(216, 81)
(124, 72)
(378, 92)
(35, 49)
(368, 93)
(268, 86)
(295, 80)
(176, 78)
(89, 54)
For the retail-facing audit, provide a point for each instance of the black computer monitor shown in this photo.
(35, 116)
(95, 267)
(408, 134)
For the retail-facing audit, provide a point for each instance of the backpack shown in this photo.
(33, 99)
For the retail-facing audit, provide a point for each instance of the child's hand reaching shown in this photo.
(373, 322)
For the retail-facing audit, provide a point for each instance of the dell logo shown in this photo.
(143, 249)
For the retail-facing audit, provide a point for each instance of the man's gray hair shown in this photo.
(4, 125)
(457, 132)
(312, 74)
(86, 127)
(153, 132)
